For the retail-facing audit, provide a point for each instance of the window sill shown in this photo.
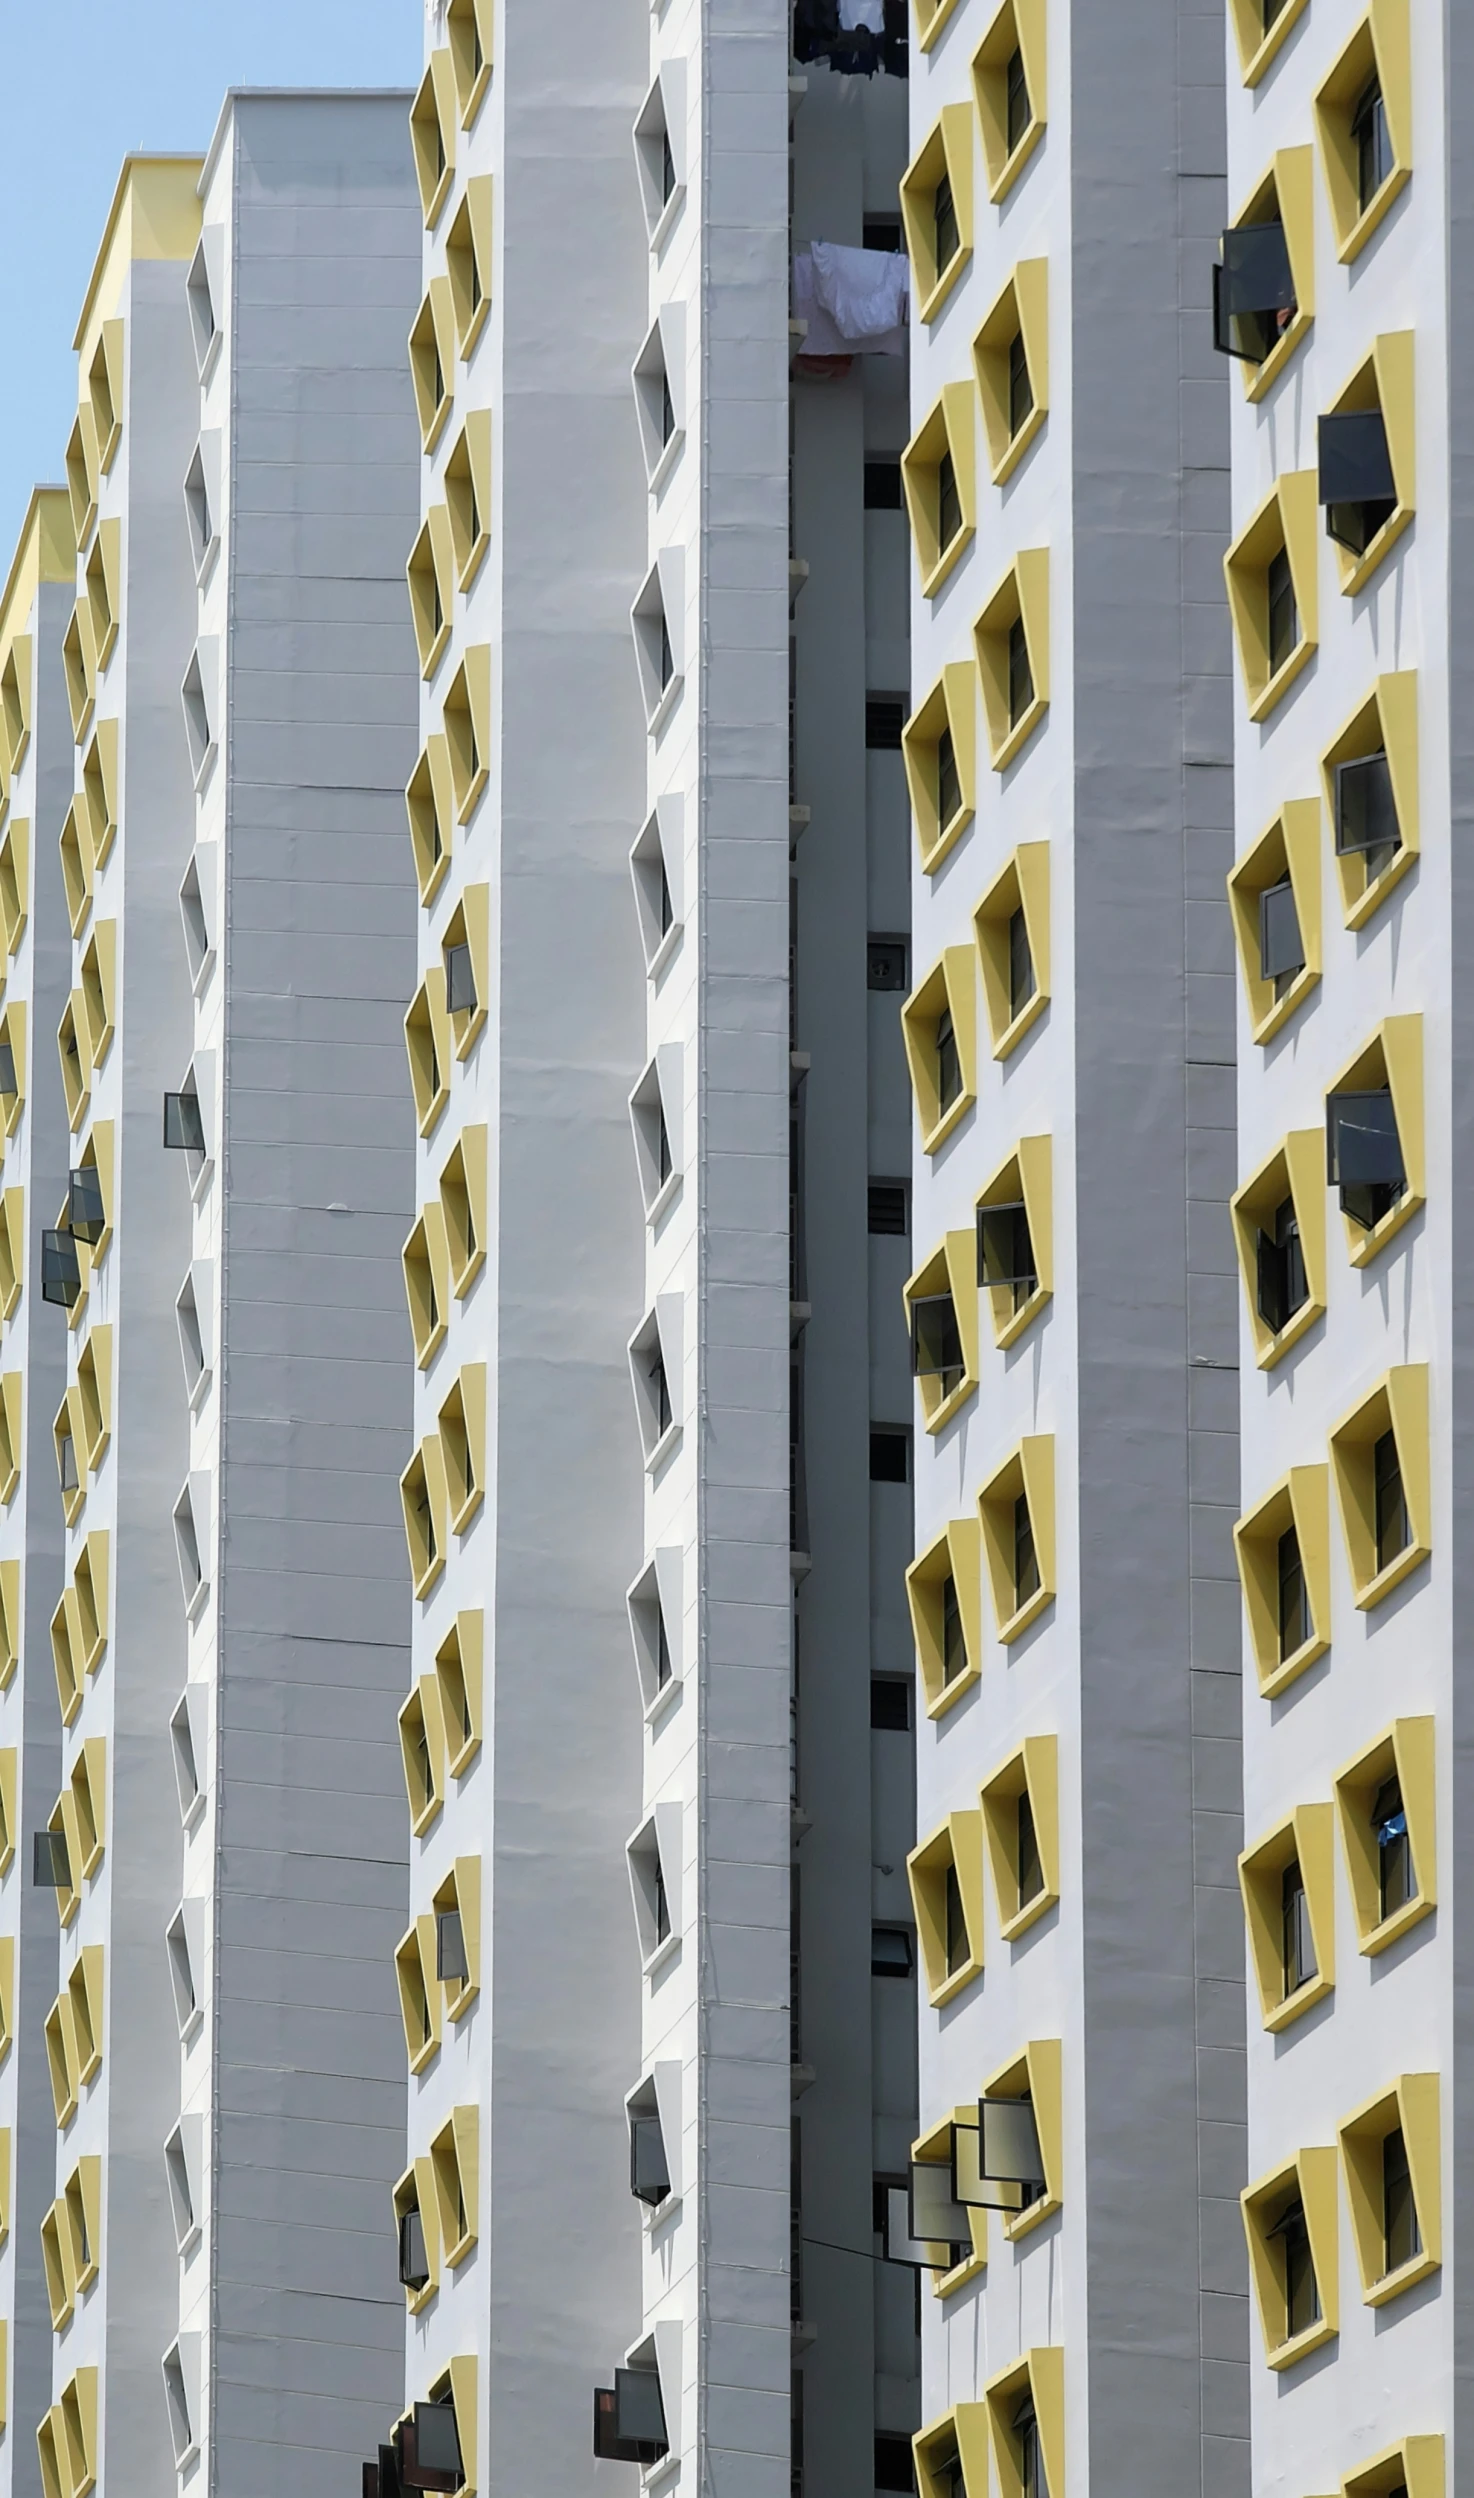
(1010, 1928)
(664, 951)
(416, 2301)
(457, 2006)
(1286, 2014)
(439, 196)
(196, 1602)
(430, 658)
(107, 646)
(1362, 1246)
(436, 427)
(664, 1197)
(941, 17)
(209, 558)
(951, 1117)
(952, 1403)
(482, 81)
(473, 329)
(1018, 2225)
(1289, 2354)
(664, 1447)
(1349, 246)
(435, 880)
(190, 2030)
(424, 2055)
(460, 1761)
(670, 210)
(1396, 1571)
(469, 1030)
(927, 311)
(1259, 60)
(420, 1821)
(663, 1700)
(1024, 1021)
(69, 1713)
(425, 1353)
(955, 1984)
(1392, 2284)
(462, 1517)
(428, 1576)
(196, 1813)
(1012, 166)
(1017, 1623)
(466, 804)
(466, 1275)
(71, 1502)
(946, 841)
(1260, 379)
(474, 560)
(947, 562)
(1392, 1929)
(1271, 1350)
(1271, 694)
(1028, 432)
(68, 1915)
(433, 1109)
(1009, 1334)
(1357, 570)
(456, 2255)
(669, 454)
(1284, 1007)
(669, 696)
(206, 767)
(950, 1693)
(1019, 736)
(1291, 1668)
(661, 1957)
(971, 2269)
(1371, 898)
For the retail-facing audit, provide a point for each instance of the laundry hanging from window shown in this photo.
(855, 302)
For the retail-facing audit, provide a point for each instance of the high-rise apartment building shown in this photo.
(1338, 302)
(1072, 2199)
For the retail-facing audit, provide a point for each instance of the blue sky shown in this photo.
(86, 81)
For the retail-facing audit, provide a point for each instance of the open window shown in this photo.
(1026, 2425)
(454, 2166)
(1280, 1232)
(53, 1863)
(432, 360)
(1284, 1558)
(428, 1042)
(946, 1877)
(426, 1261)
(1012, 641)
(655, 1867)
(659, 376)
(200, 696)
(656, 1105)
(1271, 571)
(463, 1203)
(430, 574)
(458, 1935)
(1017, 1511)
(939, 747)
(184, 2169)
(656, 1612)
(1274, 892)
(1390, 2151)
(1012, 928)
(660, 150)
(944, 1590)
(1364, 119)
(420, 1992)
(941, 1301)
(657, 620)
(1020, 1810)
(939, 1026)
(98, 803)
(942, 2228)
(1264, 285)
(61, 1267)
(1371, 784)
(1011, 357)
(468, 730)
(422, 1746)
(1018, 2155)
(15, 881)
(1008, 75)
(1289, 1885)
(1367, 446)
(468, 263)
(1292, 2224)
(202, 502)
(1375, 1137)
(1260, 28)
(655, 1374)
(194, 1314)
(189, 1119)
(939, 474)
(468, 33)
(458, 1682)
(425, 1499)
(949, 2456)
(936, 208)
(468, 495)
(430, 806)
(657, 865)
(185, 1939)
(417, 2227)
(189, 1743)
(1015, 1260)
(1385, 1803)
(432, 131)
(653, 2115)
(183, 2394)
(630, 2419)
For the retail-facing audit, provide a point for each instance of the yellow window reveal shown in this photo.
(1364, 121)
(1011, 637)
(936, 206)
(1386, 1806)
(1020, 1808)
(1292, 2224)
(1279, 1220)
(1017, 1511)
(1370, 773)
(1011, 359)
(946, 1877)
(939, 747)
(1273, 598)
(944, 1590)
(1009, 81)
(1274, 893)
(1288, 1879)
(1284, 1556)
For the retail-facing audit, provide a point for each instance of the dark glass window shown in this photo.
(1284, 615)
(1006, 1260)
(662, 1650)
(885, 963)
(1020, 388)
(1393, 1531)
(890, 1952)
(660, 1396)
(889, 1455)
(662, 1904)
(1253, 289)
(1030, 1865)
(959, 1949)
(886, 1208)
(882, 234)
(949, 1062)
(667, 166)
(948, 235)
(1282, 1288)
(1396, 1875)
(1357, 487)
(1281, 946)
(1271, 9)
(1019, 110)
(1294, 1600)
(883, 481)
(1020, 673)
(1021, 981)
(949, 503)
(949, 783)
(936, 1341)
(1372, 141)
(885, 716)
(1402, 2238)
(894, 2469)
(667, 913)
(1364, 1154)
(667, 660)
(667, 409)
(1026, 1580)
(1302, 2291)
(890, 1704)
(954, 1645)
(1366, 812)
(1298, 1950)
(1025, 2424)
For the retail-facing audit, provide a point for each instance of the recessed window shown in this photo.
(947, 235)
(1372, 142)
(1020, 388)
(1254, 304)
(1300, 2289)
(1402, 2238)
(1018, 111)
(1011, 638)
(1283, 614)
(1026, 1580)
(1364, 1154)
(885, 716)
(949, 1062)
(1282, 1289)
(936, 1341)
(887, 1209)
(1397, 1882)
(1281, 946)
(936, 205)
(1020, 673)
(892, 1954)
(1358, 491)
(1006, 1261)
(1366, 811)
(1017, 1510)
(1297, 1943)
(890, 1704)
(885, 963)
(883, 486)
(1387, 1806)
(1026, 1848)
(890, 1454)
(1008, 77)
(1294, 1596)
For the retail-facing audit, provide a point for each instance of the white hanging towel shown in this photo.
(866, 295)
(853, 14)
